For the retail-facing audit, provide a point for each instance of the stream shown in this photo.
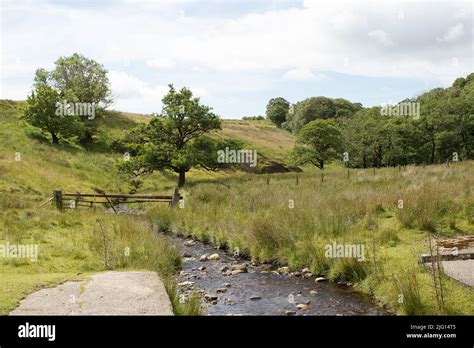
(233, 286)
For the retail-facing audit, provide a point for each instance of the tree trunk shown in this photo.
(321, 164)
(182, 178)
(433, 150)
(55, 138)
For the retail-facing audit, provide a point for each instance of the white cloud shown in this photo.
(358, 38)
(161, 63)
(302, 75)
(453, 34)
(381, 37)
(125, 86)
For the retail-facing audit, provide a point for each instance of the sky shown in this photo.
(237, 54)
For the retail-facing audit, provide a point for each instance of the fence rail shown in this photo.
(95, 198)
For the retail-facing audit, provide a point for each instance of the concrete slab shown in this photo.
(110, 293)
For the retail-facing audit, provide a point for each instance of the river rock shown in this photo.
(224, 268)
(186, 284)
(210, 297)
(214, 257)
(221, 290)
(297, 274)
(189, 242)
(290, 312)
(203, 257)
(320, 279)
(302, 307)
(241, 267)
(226, 285)
(187, 255)
(305, 270)
(284, 270)
(202, 268)
(235, 272)
(255, 297)
(313, 292)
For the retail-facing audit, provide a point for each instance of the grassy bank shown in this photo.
(71, 244)
(255, 216)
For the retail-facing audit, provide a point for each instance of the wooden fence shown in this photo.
(89, 199)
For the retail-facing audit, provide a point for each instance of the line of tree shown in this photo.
(330, 129)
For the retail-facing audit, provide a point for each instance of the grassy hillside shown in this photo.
(70, 244)
(234, 209)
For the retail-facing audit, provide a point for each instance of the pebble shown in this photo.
(210, 297)
(290, 312)
(189, 242)
(302, 307)
(186, 284)
(255, 297)
(313, 292)
(187, 255)
(202, 268)
(320, 279)
(213, 257)
(221, 290)
(203, 257)
(224, 269)
(241, 267)
(305, 270)
(284, 270)
(226, 285)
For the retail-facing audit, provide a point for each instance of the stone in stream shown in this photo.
(226, 285)
(187, 255)
(302, 307)
(235, 272)
(290, 312)
(210, 297)
(213, 257)
(221, 290)
(224, 268)
(283, 270)
(239, 267)
(203, 257)
(296, 274)
(202, 268)
(313, 292)
(305, 270)
(189, 242)
(255, 297)
(186, 284)
(320, 279)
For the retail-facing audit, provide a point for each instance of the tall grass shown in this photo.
(256, 217)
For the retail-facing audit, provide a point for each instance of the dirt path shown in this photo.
(110, 293)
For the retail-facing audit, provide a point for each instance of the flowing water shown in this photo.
(261, 290)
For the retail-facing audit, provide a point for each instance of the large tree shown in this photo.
(77, 79)
(277, 110)
(175, 139)
(41, 112)
(318, 142)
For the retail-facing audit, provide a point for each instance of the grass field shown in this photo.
(234, 209)
(255, 217)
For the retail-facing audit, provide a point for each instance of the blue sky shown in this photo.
(236, 55)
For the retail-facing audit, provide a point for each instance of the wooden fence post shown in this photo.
(175, 198)
(58, 199)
